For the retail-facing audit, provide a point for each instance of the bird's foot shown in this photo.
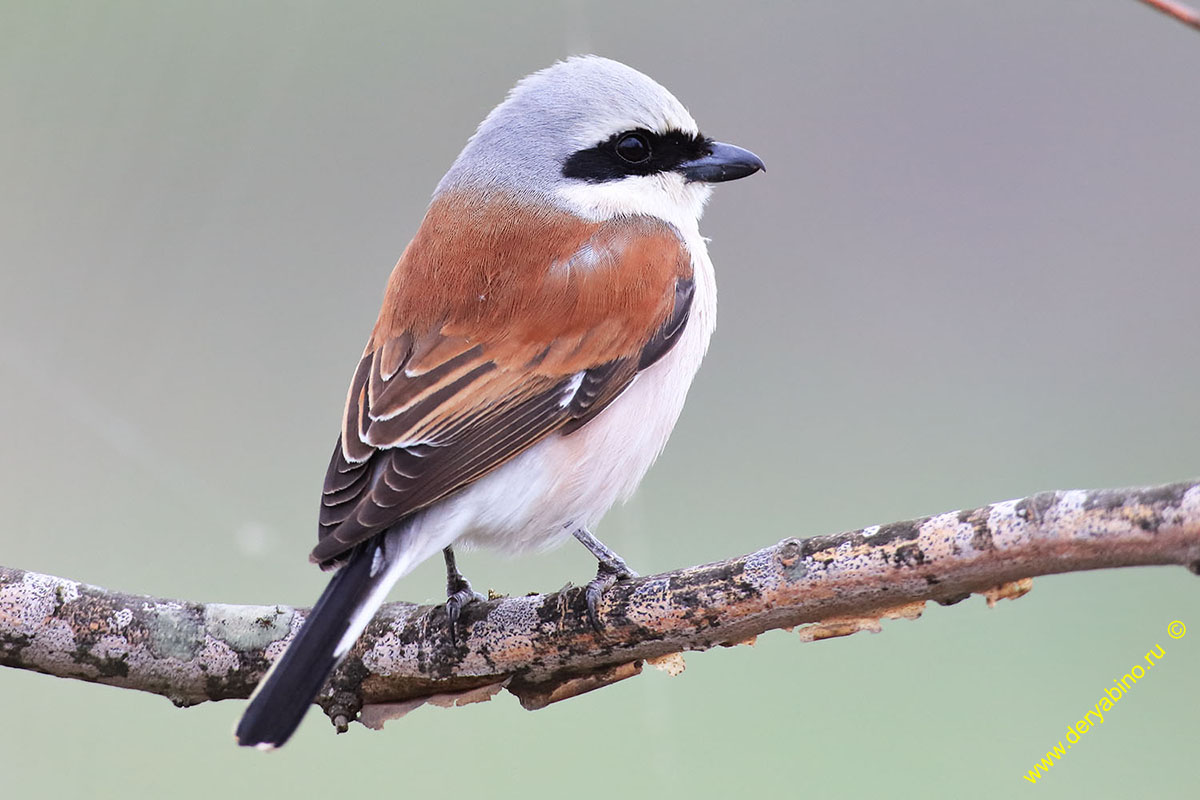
(612, 569)
(458, 594)
(455, 601)
(607, 575)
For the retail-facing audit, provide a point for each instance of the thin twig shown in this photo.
(542, 648)
(1179, 11)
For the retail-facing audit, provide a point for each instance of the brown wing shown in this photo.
(515, 343)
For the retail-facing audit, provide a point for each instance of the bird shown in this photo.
(536, 342)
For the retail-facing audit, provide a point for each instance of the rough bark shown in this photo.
(541, 647)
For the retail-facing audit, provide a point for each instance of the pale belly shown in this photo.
(568, 482)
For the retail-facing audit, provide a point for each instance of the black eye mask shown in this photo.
(636, 152)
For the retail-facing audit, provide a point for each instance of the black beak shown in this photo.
(724, 162)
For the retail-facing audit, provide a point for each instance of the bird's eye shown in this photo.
(634, 148)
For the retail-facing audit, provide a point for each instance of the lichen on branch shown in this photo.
(541, 647)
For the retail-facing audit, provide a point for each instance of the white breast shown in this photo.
(566, 482)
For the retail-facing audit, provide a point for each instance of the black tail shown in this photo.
(281, 700)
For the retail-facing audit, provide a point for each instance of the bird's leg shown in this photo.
(458, 594)
(612, 568)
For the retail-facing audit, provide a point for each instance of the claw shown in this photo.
(458, 594)
(596, 588)
(610, 570)
(454, 606)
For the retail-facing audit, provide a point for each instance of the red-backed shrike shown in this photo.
(535, 345)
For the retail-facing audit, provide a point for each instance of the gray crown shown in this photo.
(573, 105)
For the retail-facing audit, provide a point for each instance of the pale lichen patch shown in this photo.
(247, 627)
(1190, 504)
(55, 637)
(218, 658)
(175, 631)
(1066, 517)
(25, 605)
(1006, 524)
(946, 534)
(506, 634)
(67, 591)
(389, 650)
(651, 606)
(111, 646)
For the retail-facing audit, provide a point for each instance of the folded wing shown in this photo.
(513, 343)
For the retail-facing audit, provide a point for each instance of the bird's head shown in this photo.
(598, 139)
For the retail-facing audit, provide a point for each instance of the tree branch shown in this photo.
(1178, 11)
(541, 647)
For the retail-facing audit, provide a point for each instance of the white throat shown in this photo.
(665, 195)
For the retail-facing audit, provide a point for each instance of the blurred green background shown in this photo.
(971, 273)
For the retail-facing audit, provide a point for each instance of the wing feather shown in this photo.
(442, 397)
